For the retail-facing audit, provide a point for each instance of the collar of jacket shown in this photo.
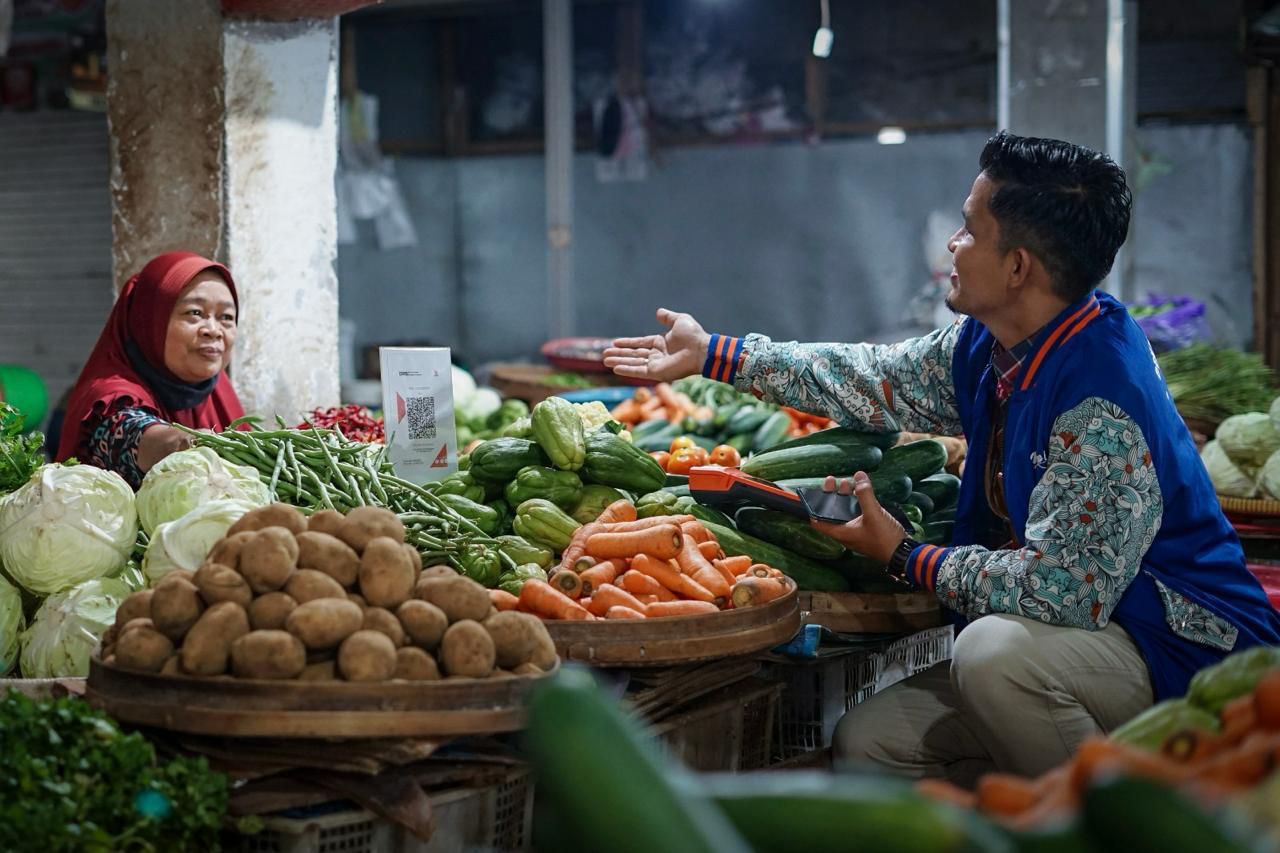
(1069, 323)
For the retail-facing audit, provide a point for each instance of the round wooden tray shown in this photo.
(237, 707)
(678, 639)
(872, 613)
(1249, 507)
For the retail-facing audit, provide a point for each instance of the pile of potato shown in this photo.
(319, 599)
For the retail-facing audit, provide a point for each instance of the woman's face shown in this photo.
(202, 329)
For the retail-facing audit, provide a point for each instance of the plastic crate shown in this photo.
(731, 729)
(494, 818)
(911, 655)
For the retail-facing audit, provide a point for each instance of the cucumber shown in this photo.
(911, 511)
(1174, 822)
(938, 532)
(889, 487)
(948, 514)
(605, 741)
(942, 488)
(747, 420)
(864, 573)
(787, 531)
(771, 432)
(917, 459)
(921, 500)
(677, 480)
(843, 437)
(814, 460)
(711, 514)
(814, 811)
(806, 573)
(740, 442)
(650, 427)
(658, 439)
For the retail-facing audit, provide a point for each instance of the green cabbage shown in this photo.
(1249, 439)
(68, 524)
(182, 481)
(1269, 479)
(1226, 476)
(66, 629)
(11, 625)
(1274, 413)
(184, 543)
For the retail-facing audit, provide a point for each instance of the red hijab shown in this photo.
(141, 316)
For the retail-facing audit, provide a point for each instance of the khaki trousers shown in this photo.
(1017, 696)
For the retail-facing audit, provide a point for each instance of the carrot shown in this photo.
(611, 596)
(729, 577)
(638, 584)
(695, 529)
(947, 792)
(643, 523)
(568, 583)
(1098, 755)
(598, 576)
(550, 603)
(577, 545)
(620, 510)
(710, 550)
(693, 564)
(662, 541)
(620, 612)
(581, 564)
(1191, 746)
(680, 608)
(1056, 801)
(628, 411)
(668, 574)
(751, 592)
(646, 600)
(1005, 795)
(1266, 701)
(642, 395)
(1245, 766)
(652, 408)
(503, 600)
(1239, 717)
(668, 396)
(733, 566)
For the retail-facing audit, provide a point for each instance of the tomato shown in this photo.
(726, 455)
(701, 454)
(681, 443)
(682, 461)
(662, 457)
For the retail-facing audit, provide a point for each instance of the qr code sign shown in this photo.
(421, 412)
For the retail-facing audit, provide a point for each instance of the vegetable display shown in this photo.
(1210, 384)
(332, 597)
(182, 481)
(20, 454)
(12, 622)
(184, 542)
(66, 628)
(353, 421)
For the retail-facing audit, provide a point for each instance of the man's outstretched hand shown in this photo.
(662, 358)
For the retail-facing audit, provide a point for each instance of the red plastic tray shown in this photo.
(584, 355)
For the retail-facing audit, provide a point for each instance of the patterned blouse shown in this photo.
(113, 436)
(1093, 514)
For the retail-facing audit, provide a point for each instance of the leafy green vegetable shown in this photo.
(73, 781)
(20, 454)
(1211, 383)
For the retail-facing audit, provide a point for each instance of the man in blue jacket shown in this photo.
(1093, 571)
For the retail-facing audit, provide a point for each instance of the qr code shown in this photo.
(422, 417)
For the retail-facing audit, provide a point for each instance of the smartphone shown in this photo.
(832, 507)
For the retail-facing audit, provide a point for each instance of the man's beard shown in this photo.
(951, 305)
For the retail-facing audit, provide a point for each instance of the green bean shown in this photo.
(275, 472)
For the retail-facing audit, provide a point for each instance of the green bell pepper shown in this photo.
(513, 580)
(481, 564)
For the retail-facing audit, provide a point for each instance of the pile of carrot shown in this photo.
(623, 567)
(1209, 766)
(661, 401)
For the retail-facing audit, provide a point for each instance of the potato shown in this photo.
(413, 664)
(143, 649)
(269, 612)
(328, 554)
(325, 670)
(544, 652)
(467, 650)
(172, 665)
(175, 605)
(207, 644)
(268, 559)
(109, 637)
(438, 572)
(459, 597)
(326, 521)
(137, 605)
(527, 669)
(513, 638)
(308, 585)
(386, 575)
(365, 523)
(325, 622)
(423, 622)
(217, 582)
(358, 599)
(140, 622)
(274, 515)
(502, 673)
(268, 654)
(226, 551)
(367, 656)
(415, 560)
(377, 619)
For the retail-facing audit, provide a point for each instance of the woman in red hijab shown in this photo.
(161, 360)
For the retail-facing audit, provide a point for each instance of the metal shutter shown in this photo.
(55, 241)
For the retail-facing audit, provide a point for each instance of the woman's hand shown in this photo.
(874, 532)
(679, 353)
(158, 441)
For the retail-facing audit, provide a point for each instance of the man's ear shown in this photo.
(1019, 263)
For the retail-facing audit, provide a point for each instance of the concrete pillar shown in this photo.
(224, 142)
(557, 62)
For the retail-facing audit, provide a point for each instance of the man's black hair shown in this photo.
(1066, 204)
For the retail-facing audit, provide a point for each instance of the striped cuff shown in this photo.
(723, 357)
(923, 565)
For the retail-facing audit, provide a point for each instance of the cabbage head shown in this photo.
(1269, 479)
(66, 629)
(184, 543)
(1275, 413)
(182, 481)
(1249, 439)
(11, 625)
(68, 524)
(1226, 476)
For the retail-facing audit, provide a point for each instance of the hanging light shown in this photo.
(891, 136)
(824, 36)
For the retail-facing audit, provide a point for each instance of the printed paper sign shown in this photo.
(417, 404)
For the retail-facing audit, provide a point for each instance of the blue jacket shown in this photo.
(1193, 582)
